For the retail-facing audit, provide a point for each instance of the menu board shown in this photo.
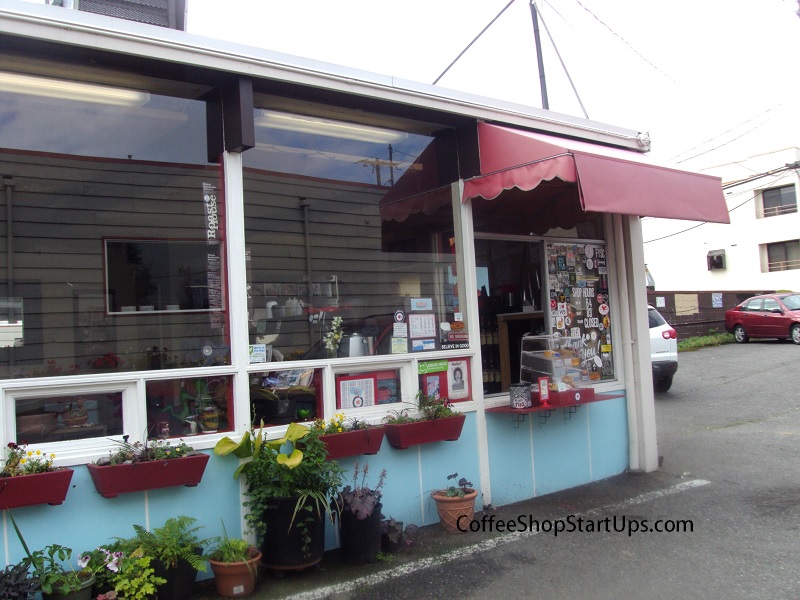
(580, 307)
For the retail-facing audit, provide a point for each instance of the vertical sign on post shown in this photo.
(214, 260)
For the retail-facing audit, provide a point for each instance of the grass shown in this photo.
(703, 341)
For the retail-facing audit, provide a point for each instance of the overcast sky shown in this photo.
(711, 80)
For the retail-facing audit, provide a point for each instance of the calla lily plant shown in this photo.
(293, 466)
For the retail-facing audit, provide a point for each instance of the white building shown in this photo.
(759, 250)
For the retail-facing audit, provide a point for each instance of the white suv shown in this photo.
(663, 350)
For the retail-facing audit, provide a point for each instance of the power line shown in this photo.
(725, 132)
(475, 39)
(677, 162)
(624, 41)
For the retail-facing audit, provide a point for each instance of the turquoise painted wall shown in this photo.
(539, 456)
(526, 461)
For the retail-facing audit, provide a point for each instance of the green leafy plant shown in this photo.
(176, 540)
(230, 550)
(136, 579)
(459, 490)
(47, 566)
(130, 576)
(428, 407)
(432, 407)
(295, 465)
(152, 449)
(360, 499)
(16, 583)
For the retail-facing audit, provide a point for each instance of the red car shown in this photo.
(766, 316)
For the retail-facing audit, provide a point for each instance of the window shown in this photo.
(188, 406)
(755, 305)
(115, 202)
(55, 418)
(779, 201)
(350, 238)
(281, 397)
(716, 260)
(163, 275)
(783, 256)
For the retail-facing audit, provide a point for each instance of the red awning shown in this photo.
(610, 180)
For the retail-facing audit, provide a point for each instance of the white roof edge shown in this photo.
(73, 27)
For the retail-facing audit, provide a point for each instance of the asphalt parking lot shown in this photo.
(729, 490)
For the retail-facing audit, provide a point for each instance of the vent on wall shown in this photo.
(164, 13)
(716, 260)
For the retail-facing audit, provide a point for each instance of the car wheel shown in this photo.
(794, 332)
(740, 335)
(662, 384)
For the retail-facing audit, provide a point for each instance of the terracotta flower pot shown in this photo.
(456, 512)
(237, 578)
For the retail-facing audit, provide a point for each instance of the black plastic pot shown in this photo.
(180, 580)
(360, 538)
(282, 548)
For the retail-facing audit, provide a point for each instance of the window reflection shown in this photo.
(350, 239)
(74, 417)
(90, 164)
(189, 406)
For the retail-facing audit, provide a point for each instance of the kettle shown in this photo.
(360, 345)
(270, 304)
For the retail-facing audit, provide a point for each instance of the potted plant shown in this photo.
(437, 421)
(359, 508)
(128, 575)
(176, 552)
(16, 582)
(352, 437)
(56, 582)
(234, 562)
(289, 486)
(29, 477)
(396, 535)
(456, 505)
(137, 466)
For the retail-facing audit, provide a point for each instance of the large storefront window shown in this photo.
(542, 270)
(114, 222)
(350, 240)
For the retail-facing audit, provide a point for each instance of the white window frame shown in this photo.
(81, 451)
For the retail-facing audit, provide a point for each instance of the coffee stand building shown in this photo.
(185, 218)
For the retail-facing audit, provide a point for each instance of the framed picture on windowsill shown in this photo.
(356, 391)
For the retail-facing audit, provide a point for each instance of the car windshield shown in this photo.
(792, 302)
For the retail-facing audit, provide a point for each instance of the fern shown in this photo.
(176, 540)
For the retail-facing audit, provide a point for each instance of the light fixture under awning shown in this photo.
(610, 180)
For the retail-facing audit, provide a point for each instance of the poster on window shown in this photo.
(457, 379)
(580, 307)
(356, 391)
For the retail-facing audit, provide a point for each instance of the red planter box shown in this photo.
(40, 488)
(353, 443)
(405, 435)
(112, 480)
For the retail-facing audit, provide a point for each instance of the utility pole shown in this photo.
(540, 62)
